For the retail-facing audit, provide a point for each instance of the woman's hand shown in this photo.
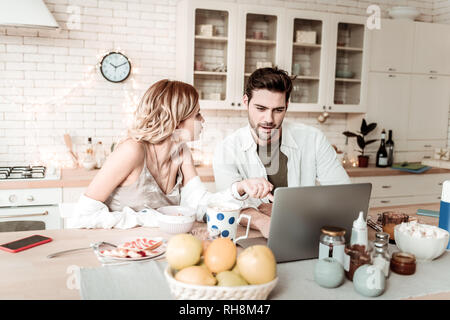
(256, 188)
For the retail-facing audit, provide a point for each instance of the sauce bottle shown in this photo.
(359, 231)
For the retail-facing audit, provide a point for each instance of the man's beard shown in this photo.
(262, 135)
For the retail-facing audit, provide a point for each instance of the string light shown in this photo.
(34, 105)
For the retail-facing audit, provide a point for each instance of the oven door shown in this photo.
(29, 218)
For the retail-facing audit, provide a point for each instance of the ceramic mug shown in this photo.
(223, 218)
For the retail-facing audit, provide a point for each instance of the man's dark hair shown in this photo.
(272, 79)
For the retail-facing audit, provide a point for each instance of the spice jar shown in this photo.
(403, 263)
(355, 256)
(380, 257)
(332, 243)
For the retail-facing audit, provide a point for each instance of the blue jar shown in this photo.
(369, 281)
(444, 211)
(329, 273)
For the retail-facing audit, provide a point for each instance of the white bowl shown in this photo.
(89, 165)
(408, 13)
(425, 249)
(185, 291)
(176, 219)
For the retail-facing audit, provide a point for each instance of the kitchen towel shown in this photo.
(145, 280)
(410, 167)
(142, 280)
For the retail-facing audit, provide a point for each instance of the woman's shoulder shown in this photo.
(131, 149)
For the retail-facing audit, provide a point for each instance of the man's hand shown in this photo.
(266, 208)
(256, 188)
(259, 221)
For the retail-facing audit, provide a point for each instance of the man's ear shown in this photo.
(245, 101)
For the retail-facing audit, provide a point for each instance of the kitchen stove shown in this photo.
(24, 209)
(28, 172)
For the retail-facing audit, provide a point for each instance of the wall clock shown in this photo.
(115, 67)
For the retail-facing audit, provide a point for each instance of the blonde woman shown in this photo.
(152, 167)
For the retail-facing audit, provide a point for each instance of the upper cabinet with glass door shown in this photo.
(207, 62)
(220, 44)
(307, 34)
(260, 45)
(348, 65)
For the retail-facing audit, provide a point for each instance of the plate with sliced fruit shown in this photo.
(135, 250)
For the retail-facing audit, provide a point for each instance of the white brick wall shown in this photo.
(46, 88)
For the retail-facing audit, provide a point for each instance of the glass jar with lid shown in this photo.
(332, 243)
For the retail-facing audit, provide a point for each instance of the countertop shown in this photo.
(80, 177)
(32, 276)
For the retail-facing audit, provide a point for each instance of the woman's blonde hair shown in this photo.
(162, 108)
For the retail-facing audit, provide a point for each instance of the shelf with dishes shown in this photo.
(211, 38)
(348, 80)
(350, 49)
(305, 90)
(209, 73)
(300, 77)
(307, 45)
(262, 42)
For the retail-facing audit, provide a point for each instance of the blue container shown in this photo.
(444, 211)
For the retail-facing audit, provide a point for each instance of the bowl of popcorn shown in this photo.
(425, 241)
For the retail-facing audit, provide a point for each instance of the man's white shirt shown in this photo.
(311, 159)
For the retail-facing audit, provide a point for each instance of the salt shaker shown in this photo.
(380, 257)
(332, 243)
(382, 237)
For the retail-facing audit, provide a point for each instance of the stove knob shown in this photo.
(30, 198)
(12, 198)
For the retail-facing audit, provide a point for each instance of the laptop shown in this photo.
(298, 214)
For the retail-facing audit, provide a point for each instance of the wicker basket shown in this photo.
(184, 291)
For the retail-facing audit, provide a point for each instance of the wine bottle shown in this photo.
(390, 149)
(382, 155)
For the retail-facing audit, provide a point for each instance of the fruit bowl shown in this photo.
(185, 291)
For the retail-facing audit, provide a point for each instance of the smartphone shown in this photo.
(25, 243)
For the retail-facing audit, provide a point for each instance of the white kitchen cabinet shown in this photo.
(308, 61)
(431, 54)
(404, 189)
(429, 107)
(388, 106)
(206, 58)
(392, 46)
(250, 36)
(333, 70)
(348, 64)
(219, 64)
(253, 52)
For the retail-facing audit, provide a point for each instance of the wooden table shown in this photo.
(30, 275)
